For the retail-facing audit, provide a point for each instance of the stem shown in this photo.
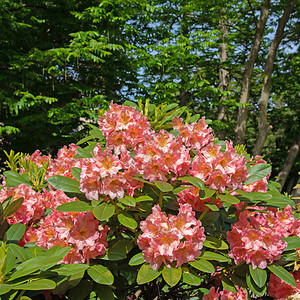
(160, 199)
(203, 214)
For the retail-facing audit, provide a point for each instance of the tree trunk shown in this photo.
(263, 127)
(223, 72)
(245, 89)
(289, 161)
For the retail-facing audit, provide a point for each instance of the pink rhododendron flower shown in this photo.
(280, 290)
(225, 294)
(171, 238)
(257, 237)
(33, 206)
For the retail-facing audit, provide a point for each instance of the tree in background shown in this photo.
(62, 60)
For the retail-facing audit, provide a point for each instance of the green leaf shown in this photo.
(190, 278)
(81, 291)
(18, 251)
(146, 274)
(5, 288)
(257, 172)
(136, 260)
(259, 291)
(127, 220)
(143, 198)
(69, 269)
(206, 193)
(293, 242)
(83, 153)
(258, 275)
(214, 256)
(75, 206)
(104, 292)
(131, 103)
(202, 265)
(118, 250)
(228, 284)
(13, 178)
(96, 134)
(15, 233)
(104, 211)
(171, 275)
(212, 207)
(64, 184)
(164, 186)
(10, 262)
(127, 200)
(214, 243)
(101, 275)
(76, 173)
(32, 265)
(194, 181)
(36, 285)
(13, 207)
(283, 274)
(229, 199)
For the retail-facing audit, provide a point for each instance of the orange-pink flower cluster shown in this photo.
(257, 237)
(173, 238)
(80, 231)
(225, 294)
(33, 206)
(280, 290)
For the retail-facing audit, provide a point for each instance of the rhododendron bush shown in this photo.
(149, 205)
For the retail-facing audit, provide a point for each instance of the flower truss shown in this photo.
(171, 238)
(257, 237)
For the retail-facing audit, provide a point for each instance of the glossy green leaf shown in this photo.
(15, 233)
(36, 285)
(136, 260)
(202, 265)
(101, 275)
(104, 211)
(228, 284)
(127, 220)
(143, 198)
(64, 184)
(104, 292)
(75, 206)
(194, 181)
(293, 242)
(10, 262)
(189, 277)
(257, 172)
(258, 275)
(81, 291)
(5, 288)
(127, 200)
(214, 243)
(76, 173)
(259, 291)
(83, 153)
(118, 250)
(171, 275)
(206, 193)
(13, 178)
(13, 207)
(69, 269)
(229, 199)
(283, 274)
(214, 256)
(18, 251)
(146, 274)
(212, 207)
(164, 186)
(181, 188)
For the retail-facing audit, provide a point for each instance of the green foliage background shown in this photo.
(63, 60)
